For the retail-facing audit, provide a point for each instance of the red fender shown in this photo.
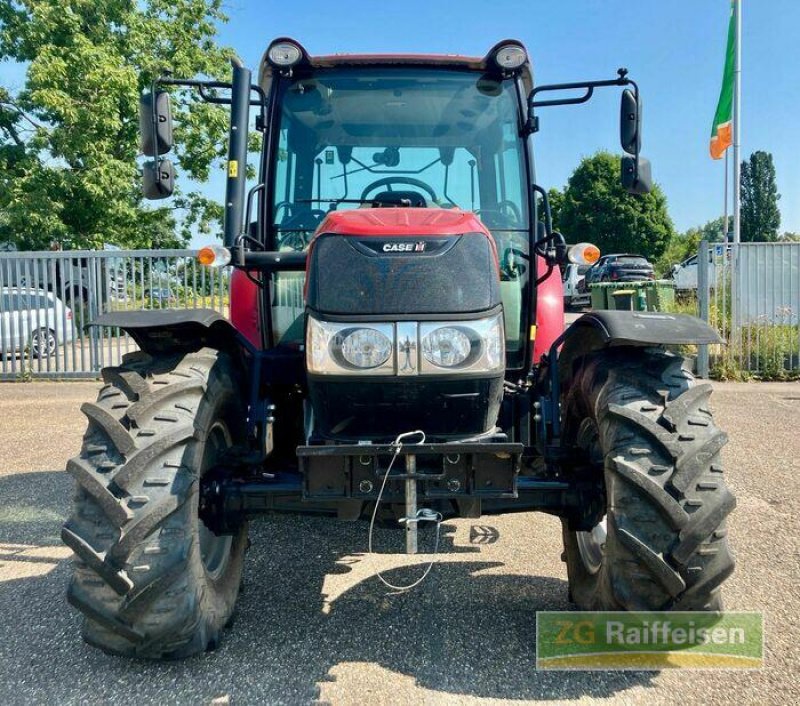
(244, 307)
(549, 310)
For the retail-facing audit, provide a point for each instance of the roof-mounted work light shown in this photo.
(284, 54)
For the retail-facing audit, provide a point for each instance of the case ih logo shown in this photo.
(419, 246)
(388, 247)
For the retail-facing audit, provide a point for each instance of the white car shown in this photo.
(33, 319)
(573, 277)
(685, 274)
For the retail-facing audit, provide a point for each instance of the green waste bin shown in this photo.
(623, 300)
(604, 296)
(648, 295)
(661, 295)
(599, 292)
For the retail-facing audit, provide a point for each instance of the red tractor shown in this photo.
(396, 348)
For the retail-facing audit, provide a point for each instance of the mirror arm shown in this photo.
(585, 98)
(532, 124)
(260, 102)
(204, 86)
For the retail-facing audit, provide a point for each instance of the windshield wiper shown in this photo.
(372, 170)
(333, 199)
(402, 202)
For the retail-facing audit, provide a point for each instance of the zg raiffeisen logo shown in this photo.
(644, 640)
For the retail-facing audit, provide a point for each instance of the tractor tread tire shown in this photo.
(666, 498)
(139, 578)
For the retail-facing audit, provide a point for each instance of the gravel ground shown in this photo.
(315, 625)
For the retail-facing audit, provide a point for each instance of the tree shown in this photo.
(680, 247)
(69, 137)
(714, 231)
(556, 199)
(596, 208)
(761, 218)
(683, 245)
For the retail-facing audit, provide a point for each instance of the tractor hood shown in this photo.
(402, 221)
(404, 325)
(402, 261)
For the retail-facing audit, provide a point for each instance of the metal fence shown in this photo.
(48, 298)
(751, 294)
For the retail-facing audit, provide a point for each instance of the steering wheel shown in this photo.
(287, 206)
(303, 224)
(507, 208)
(388, 181)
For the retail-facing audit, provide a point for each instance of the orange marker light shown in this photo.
(214, 256)
(591, 253)
(584, 254)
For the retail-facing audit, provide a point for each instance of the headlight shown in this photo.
(363, 347)
(345, 349)
(405, 348)
(446, 347)
(465, 347)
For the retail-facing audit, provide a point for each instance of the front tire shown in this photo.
(639, 418)
(150, 578)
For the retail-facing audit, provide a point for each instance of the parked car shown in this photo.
(160, 297)
(620, 268)
(33, 319)
(77, 279)
(575, 294)
(685, 274)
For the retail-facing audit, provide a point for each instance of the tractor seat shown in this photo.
(389, 199)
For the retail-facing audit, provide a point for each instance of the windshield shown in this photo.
(420, 137)
(358, 138)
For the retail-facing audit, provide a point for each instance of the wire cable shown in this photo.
(422, 515)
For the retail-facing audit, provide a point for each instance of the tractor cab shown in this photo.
(413, 141)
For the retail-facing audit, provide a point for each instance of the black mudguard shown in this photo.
(173, 331)
(603, 329)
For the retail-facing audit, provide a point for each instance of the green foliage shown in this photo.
(556, 199)
(761, 218)
(714, 231)
(683, 245)
(768, 352)
(685, 304)
(69, 137)
(727, 369)
(680, 247)
(597, 209)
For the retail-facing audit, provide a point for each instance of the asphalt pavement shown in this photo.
(315, 625)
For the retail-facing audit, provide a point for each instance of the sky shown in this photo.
(674, 49)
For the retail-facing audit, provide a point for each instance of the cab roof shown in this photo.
(453, 61)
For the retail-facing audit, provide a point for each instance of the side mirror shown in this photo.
(158, 132)
(630, 123)
(158, 180)
(636, 175)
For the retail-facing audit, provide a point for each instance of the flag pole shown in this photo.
(725, 221)
(737, 128)
(735, 332)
